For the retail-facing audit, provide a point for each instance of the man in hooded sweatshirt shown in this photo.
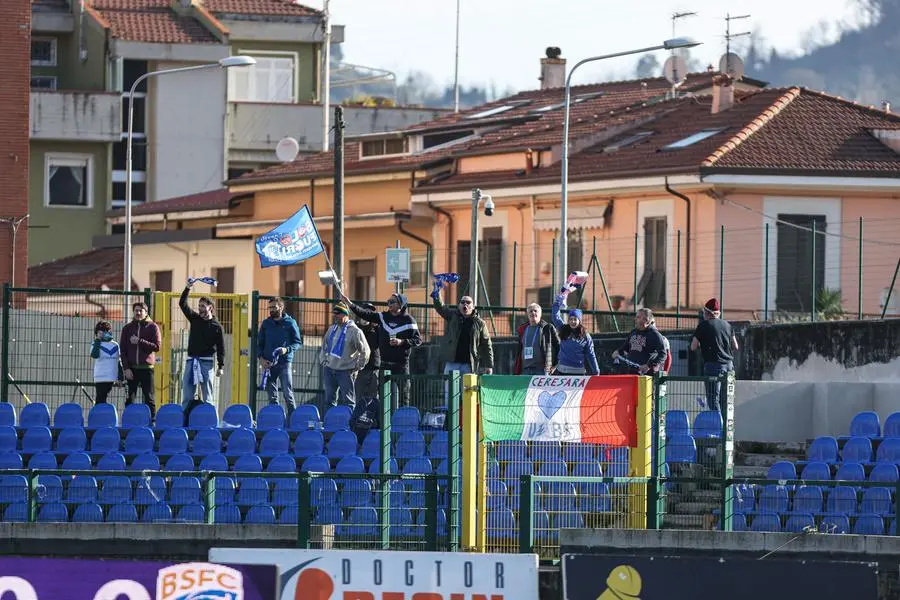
(139, 342)
(344, 352)
(398, 334)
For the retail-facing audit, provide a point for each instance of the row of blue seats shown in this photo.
(865, 524)
(883, 472)
(519, 451)
(707, 424)
(868, 424)
(812, 499)
(304, 417)
(410, 444)
(856, 449)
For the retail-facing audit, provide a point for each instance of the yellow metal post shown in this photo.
(162, 317)
(641, 455)
(481, 514)
(240, 349)
(470, 471)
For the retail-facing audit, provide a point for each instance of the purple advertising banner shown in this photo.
(95, 579)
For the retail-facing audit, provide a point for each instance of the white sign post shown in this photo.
(397, 264)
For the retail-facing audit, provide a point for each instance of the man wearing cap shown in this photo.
(715, 339)
(344, 352)
(398, 334)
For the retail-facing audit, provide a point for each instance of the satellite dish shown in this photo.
(287, 149)
(732, 65)
(675, 70)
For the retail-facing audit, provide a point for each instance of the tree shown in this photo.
(647, 66)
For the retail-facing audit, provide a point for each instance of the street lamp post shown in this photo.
(225, 63)
(564, 193)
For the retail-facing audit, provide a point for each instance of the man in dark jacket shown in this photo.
(139, 342)
(645, 345)
(538, 344)
(467, 344)
(279, 337)
(715, 339)
(205, 351)
(398, 334)
(367, 379)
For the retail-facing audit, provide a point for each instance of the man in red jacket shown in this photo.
(139, 343)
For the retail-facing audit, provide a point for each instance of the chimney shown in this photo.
(723, 93)
(886, 106)
(553, 69)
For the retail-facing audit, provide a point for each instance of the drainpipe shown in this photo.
(312, 197)
(187, 258)
(687, 266)
(412, 235)
(441, 211)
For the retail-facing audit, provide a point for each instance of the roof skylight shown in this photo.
(629, 141)
(694, 138)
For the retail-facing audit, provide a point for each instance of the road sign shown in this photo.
(397, 264)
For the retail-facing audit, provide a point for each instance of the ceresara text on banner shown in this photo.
(360, 575)
(92, 579)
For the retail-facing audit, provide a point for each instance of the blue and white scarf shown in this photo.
(267, 372)
(209, 280)
(338, 349)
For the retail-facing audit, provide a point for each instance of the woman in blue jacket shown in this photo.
(576, 348)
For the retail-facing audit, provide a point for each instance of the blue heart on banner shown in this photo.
(551, 403)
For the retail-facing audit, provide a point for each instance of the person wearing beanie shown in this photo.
(344, 352)
(538, 344)
(367, 380)
(644, 345)
(398, 334)
(576, 348)
(715, 339)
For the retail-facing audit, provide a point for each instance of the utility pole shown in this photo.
(456, 65)
(13, 223)
(337, 252)
(326, 77)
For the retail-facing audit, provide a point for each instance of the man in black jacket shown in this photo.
(367, 378)
(398, 334)
(205, 351)
(538, 344)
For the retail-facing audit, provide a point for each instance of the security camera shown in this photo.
(488, 206)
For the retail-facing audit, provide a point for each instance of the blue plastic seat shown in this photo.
(260, 513)
(370, 449)
(111, 461)
(708, 425)
(146, 461)
(214, 462)
(323, 492)
(150, 490)
(208, 441)
(501, 525)
(9, 439)
(405, 418)
(876, 501)
(103, 415)
(124, 512)
(309, 443)
(304, 417)
(49, 489)
(282, 463)
(77, 461)
(766, 521)
(738, 522)
(288, 515)
(557, 497)
(35, 414)
(7, 415)
(248, 463)
(511, 451)
(443, 468)
(884, 472)
(10, 460)
(253, 491)
(681, 449)
(169, 416)
(350, 464)
(566, 520)
(173, 440)
(224, 490)
(180, 462)
(13, 488)
(677, 423)
(337, 418)
(139, 440)
(866, 424)
(892, 425)
(363, 522)
(72, 439)
(410, 445)
(808, 499)
(227, 513)
(773, 498)
(55, 512)
(556, 468)
(513, 471)
(857, 449)
(68, 415)
(823, 449)
(105, 439)
(341, 444)
(238, 415)
(442, 529)
(356, 493)
(191, 513)
(116, 489)
(138, 415)
(284, 492)
(157, 513)
(575, 453)
(274, 442)
(82, 488)
(744, 495)
(375, 466)
(36, 439)
(89, 512)
(842, 500)
(269, 417)
(799, 522)
(869, 525)
(439, 446)
(17, 512)
(889, 450)
(401, 522)
(497, 495)
(587, 469)
(202, 416)
(782, 470)
(834, 523)
(184, 490)
(816, 471)
(543, 534)
(850, 471)
(546, 451)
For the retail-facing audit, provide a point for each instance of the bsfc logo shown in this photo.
(199, 581)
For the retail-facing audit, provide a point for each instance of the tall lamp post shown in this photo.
(225, 63)
(564, 194)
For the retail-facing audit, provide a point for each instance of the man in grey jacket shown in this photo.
(344, 352)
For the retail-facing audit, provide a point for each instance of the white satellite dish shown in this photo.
(732, 65)
(675, 70)
(287, 149)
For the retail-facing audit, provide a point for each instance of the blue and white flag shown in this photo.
(293, 241)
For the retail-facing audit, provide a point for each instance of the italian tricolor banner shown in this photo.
(597, 410)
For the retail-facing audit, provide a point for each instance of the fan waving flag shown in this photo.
(293, 241)
(597, 410)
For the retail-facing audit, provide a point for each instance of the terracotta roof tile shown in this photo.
(151, 21)
(284, 8)
(211, 200)
(88, 270)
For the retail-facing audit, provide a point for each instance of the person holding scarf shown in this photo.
(344, 352)
(205, 351)
(576, 348)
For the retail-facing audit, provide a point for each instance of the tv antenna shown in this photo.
(680, 15)
(728, 35)
(730, 63)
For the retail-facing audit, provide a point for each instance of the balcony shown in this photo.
(255, 127)
(76, 116)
